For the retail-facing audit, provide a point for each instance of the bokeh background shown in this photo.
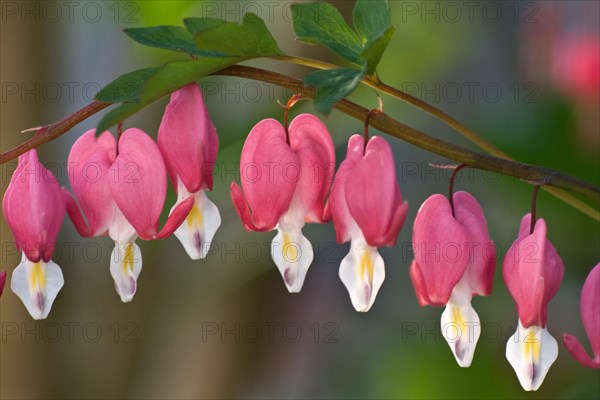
(524, 75)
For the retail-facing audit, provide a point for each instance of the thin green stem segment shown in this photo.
(366, 129)
(451, 186)
(307, 62)
(378, 121)
(286, 114)
(536, 189)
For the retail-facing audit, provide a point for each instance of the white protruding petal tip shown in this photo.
(362, 271)
(37, 285)
(197, 231)
(293, 254)
(125, 267)
(531, 352)
(461, 329)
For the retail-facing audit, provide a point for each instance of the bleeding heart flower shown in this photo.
(367, 210)
(2, 281)
(285, 185)
(575, 66)
(121, 196)
(590, 310)
(454, 260)
(188, 143)
(532, 271)
(34, 209)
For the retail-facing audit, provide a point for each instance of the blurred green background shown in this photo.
(225, 327)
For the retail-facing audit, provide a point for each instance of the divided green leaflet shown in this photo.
(167, 37)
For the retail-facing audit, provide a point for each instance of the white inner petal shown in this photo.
(120, 230)
(293, 255)
(362, 271)
(125, 267)
(461, 329)
(37, 285)
(198, 230)
(460, 323)
(531, 352)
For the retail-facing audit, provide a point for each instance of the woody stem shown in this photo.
(380, 121)
(50, 132)
(374, 82)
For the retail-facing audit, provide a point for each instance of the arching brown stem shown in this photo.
(379, 121)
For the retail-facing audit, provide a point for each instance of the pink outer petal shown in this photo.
(482, 263)
(397, 220)
(532, 271)
(34, 208)
(337, 207)
(579, 353)
(373, 195)
(311, 141)
(2, 281)
(269, 174)
(188, 139)
(75, 215)
(176, 218)
(590, 309)
(140, 185)
(241, 207)
(89, 172)
(419, 284)
(440, 244)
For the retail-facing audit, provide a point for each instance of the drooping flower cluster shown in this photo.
(284, 176)
(287, 180)
(455, 260)
(279, 190)
(131, 181)
(119, 190)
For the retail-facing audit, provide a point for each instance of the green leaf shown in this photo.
(169, 38)
(322, 23)
(332, 85)
(176, 74)
(195, 25)
(164, 81)
(372, 54)
(126, 88)
(117, 115)
(372, 19)
(373, 22)
(249, 39)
